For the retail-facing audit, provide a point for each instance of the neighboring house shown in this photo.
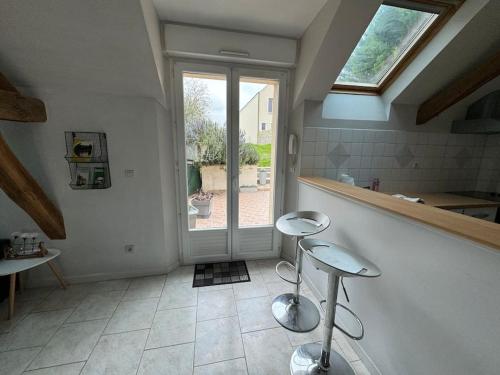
(256, 117)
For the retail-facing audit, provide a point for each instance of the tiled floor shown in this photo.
(155, 325)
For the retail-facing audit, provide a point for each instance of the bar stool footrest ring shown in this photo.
(291, 267)
(341, 329)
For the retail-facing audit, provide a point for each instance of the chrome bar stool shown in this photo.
(293, 311)
(338, 262)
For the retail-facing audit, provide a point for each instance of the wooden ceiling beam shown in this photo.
(22, 188)
(459, 89)
(15, 107)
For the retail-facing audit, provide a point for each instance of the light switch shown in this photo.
(129, 172)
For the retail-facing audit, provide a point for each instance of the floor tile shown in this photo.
(301, 338)
(172, 327)
(267, 352)
(255, 314)
(176, 360)
(268, 270)
(255, 288)
(233, 367)
(252, 267)
(110, 285)
(178, 295)
(21, 310)
(70, 369)
(96, 306)
(145, 287)
(216, 304)
(71, 343)
(118, 354)
(36, 329)
(277, 288)
(213, 288)
(60, 299)
(217, 340)
(34, 293)
(132, 315)
(182, 274)
(14, 362)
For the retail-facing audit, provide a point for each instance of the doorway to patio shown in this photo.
(230, 130)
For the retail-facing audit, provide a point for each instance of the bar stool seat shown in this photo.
(293, 311)
(338, 262)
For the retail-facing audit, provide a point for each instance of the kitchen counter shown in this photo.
(480, 231)
(450, 201)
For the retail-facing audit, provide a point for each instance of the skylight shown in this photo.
(391, 35)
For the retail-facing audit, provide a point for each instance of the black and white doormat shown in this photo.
(220, 273)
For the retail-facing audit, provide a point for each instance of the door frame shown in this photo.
(282, 78)
(231, 70)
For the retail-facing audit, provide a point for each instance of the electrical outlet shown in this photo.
(129, 248)
(129, 172)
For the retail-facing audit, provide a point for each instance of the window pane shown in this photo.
(206, 143)
(389, 36)
(258, 129)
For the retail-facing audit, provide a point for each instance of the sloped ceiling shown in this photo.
(92, 45)
(278, 17)
(477, 41)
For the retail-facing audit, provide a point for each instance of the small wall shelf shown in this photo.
(87, 156)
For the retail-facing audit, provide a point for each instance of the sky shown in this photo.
(217, 90)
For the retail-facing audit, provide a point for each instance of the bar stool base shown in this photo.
(301, 317)
(305, 361)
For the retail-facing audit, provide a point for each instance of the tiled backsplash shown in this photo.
(403, 161)
(488, 178)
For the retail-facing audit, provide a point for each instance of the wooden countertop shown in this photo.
(481, 231)
(449, 201)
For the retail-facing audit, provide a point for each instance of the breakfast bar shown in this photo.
(439, 281)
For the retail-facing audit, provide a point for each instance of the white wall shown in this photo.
(100, 222)
(435, 308)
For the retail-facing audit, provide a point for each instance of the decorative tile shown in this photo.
(404, 156)
(339, 155)
(463, 157)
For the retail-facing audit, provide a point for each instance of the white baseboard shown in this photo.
(50, 280)
(367, 361)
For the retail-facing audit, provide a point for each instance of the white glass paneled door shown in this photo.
(230, 127)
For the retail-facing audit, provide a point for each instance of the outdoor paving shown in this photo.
(254, 209)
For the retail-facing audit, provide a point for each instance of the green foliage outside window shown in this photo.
(389, 34)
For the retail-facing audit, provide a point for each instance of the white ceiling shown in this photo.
(278, 17)
(90, 45)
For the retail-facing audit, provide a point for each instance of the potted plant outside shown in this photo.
(203, 202)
